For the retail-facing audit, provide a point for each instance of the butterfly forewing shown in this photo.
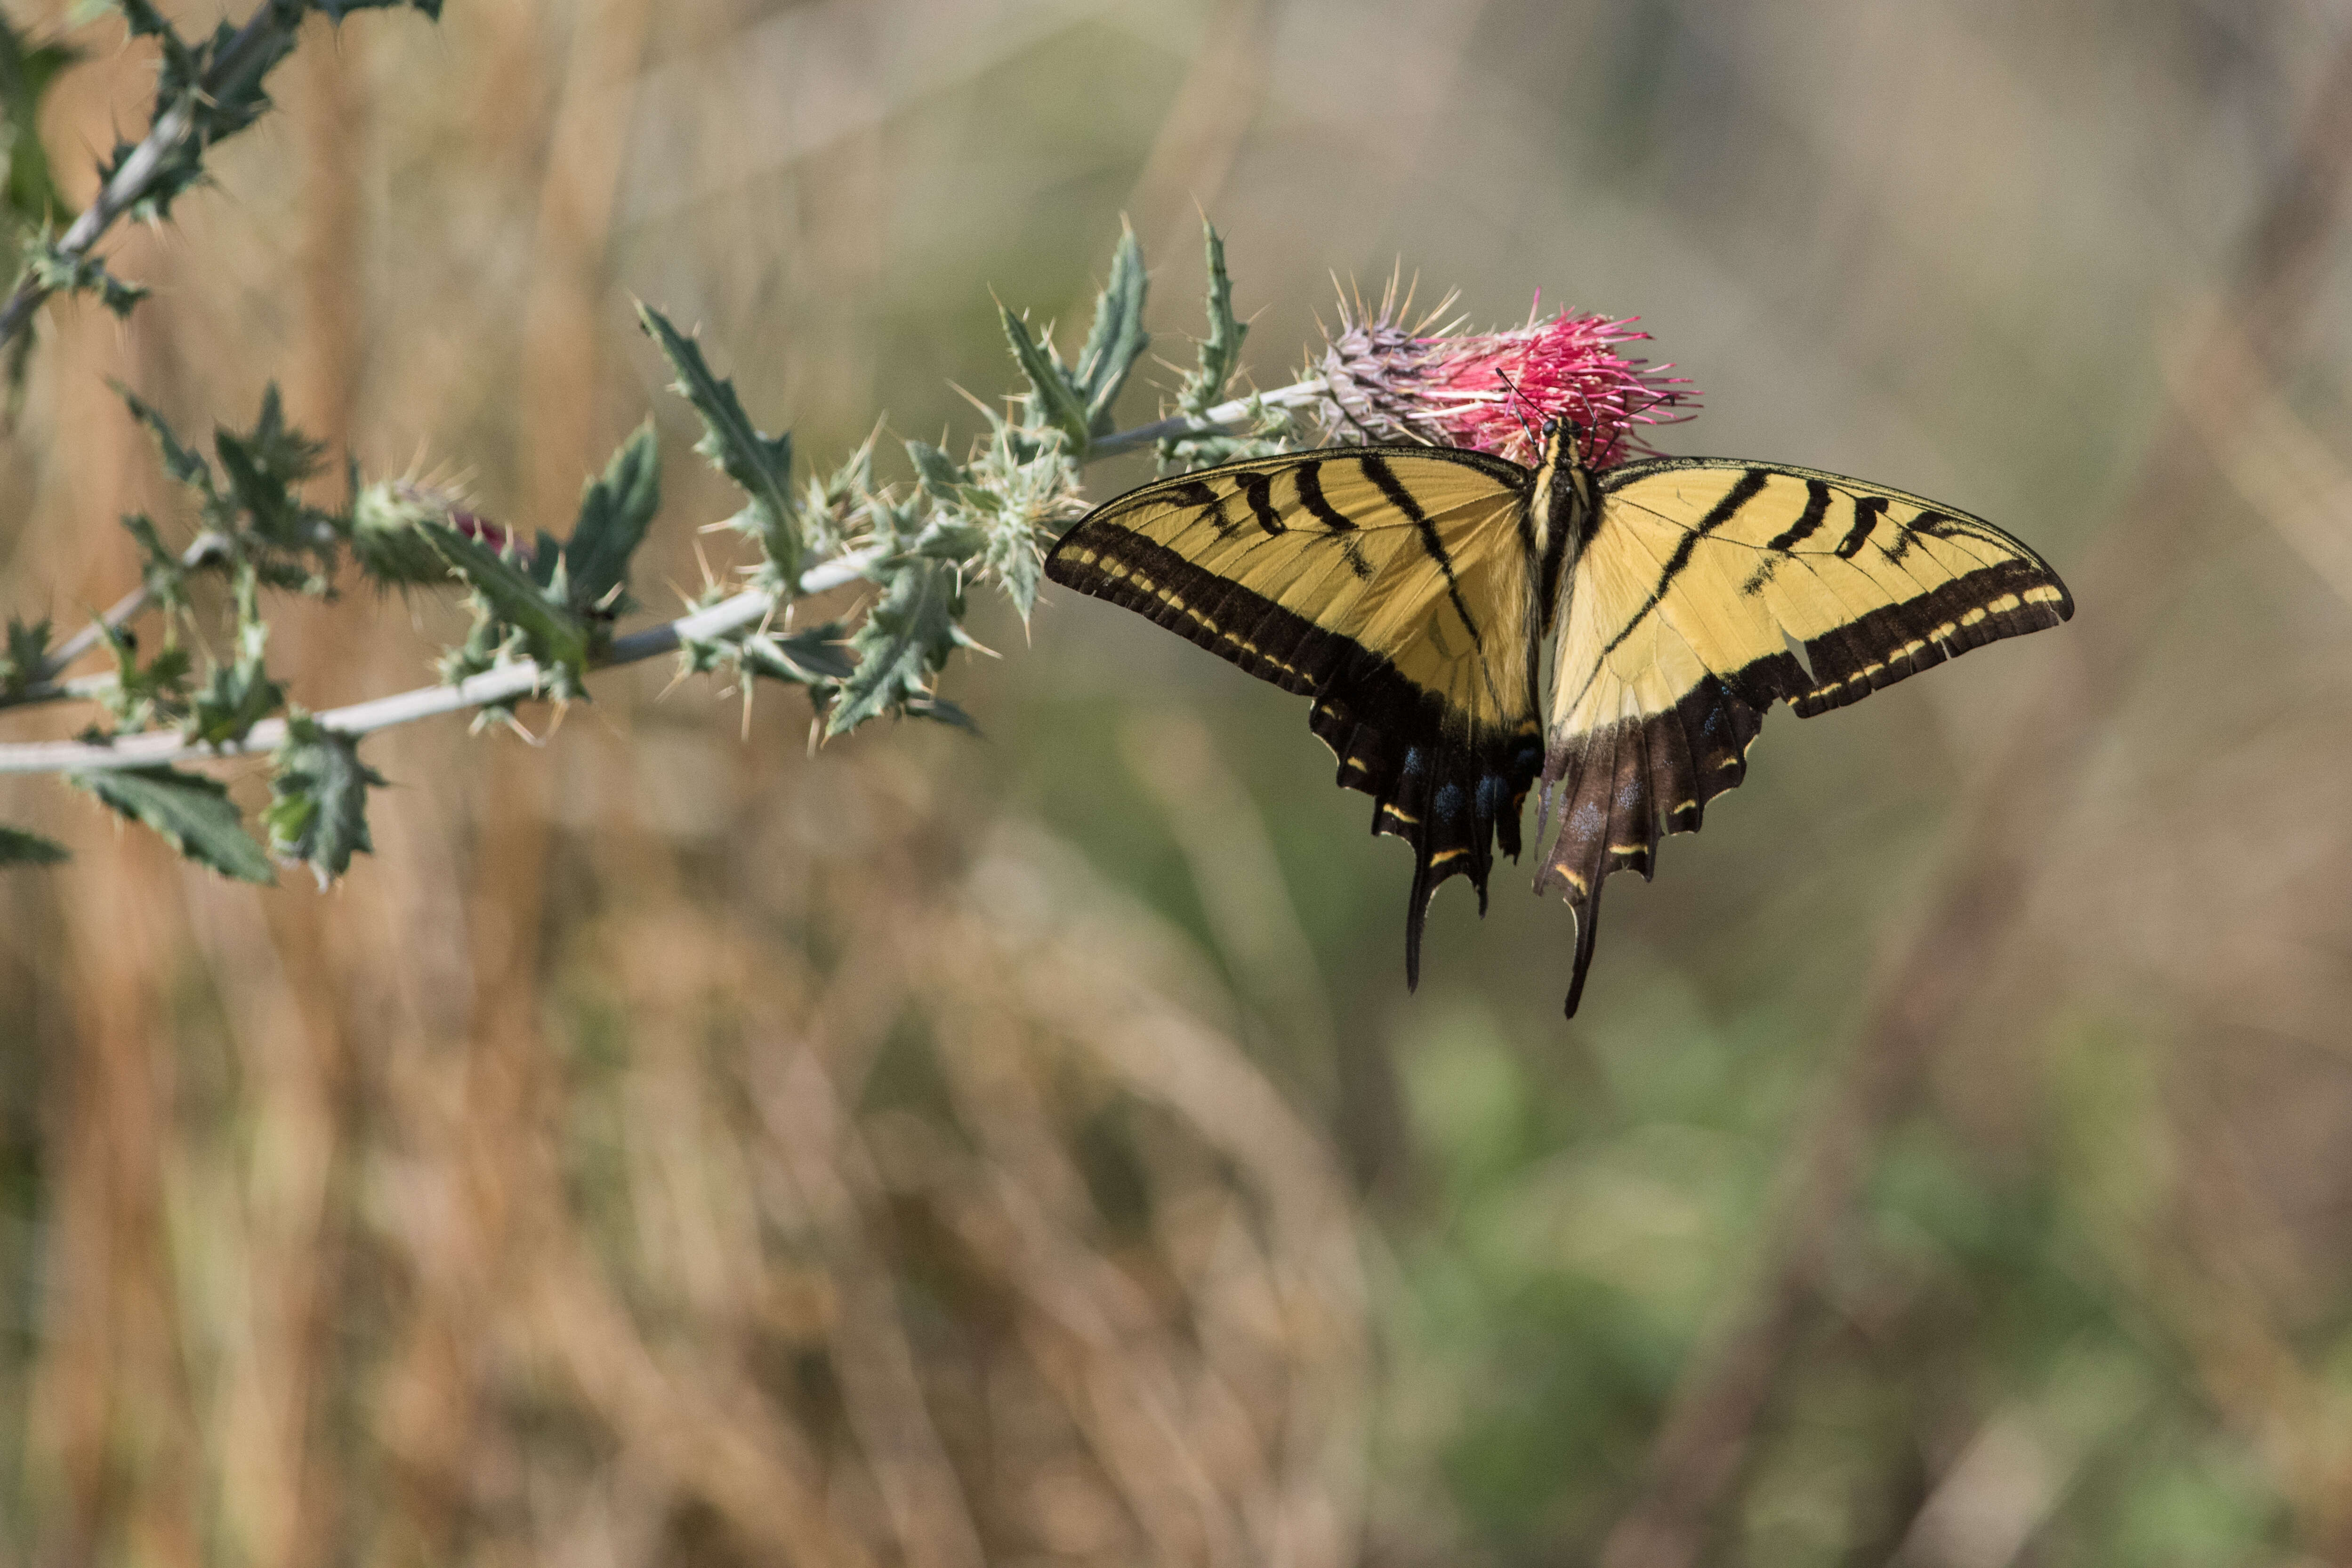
(1697, 581)
(1394, 585)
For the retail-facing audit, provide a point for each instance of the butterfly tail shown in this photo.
(1578, 862)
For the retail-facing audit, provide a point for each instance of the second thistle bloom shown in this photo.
(1390, 380)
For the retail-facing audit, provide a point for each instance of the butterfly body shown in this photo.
(1407, 591)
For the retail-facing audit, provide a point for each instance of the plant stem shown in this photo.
(46, 688)
(254, 48)
(522, 678)
(1237, 411)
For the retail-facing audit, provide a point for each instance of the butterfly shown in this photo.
(1407, 591)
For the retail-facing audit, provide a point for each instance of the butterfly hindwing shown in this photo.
(1684, 619)
(1392, 585)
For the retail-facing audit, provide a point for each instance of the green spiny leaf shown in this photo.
(551, 631)
(237, 696)
(28, 657)
(63, 272)
(184, 467)
(1030, 490)
(812, 657)
(761, 465)
(615, 509)
(946, 481)
(903, 642)
(1221, 351)
(230, 96)
(234, 698)
(193, 812)
(144, 695)
(1205, 386)
(263, 467)
(1117, 339)
(217, 83)
(1054, 400)
(26, 72)
(834, 505)
(145, 21)
(317, 813)
(159, 571)
(938, 710)
(18, 847)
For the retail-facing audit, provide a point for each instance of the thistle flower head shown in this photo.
(1392, 379)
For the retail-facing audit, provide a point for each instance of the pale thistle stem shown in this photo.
(1221, 418)
(46, 687)
(252, 48)
(523, 678)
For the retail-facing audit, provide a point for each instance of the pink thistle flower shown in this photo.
(1438, 385)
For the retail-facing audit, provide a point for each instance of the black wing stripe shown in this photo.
(1817, 506)
(1193, 493)
(1723, 511)
(1376, 470)
(1258, 489)
(1867, 513)
(1309, 478)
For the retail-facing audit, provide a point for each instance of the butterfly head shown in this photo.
(1568, 431)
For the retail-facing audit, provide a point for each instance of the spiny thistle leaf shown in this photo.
(234, 698)
(833, 507)
(1117, 339)
(146, 22)
(812, 657)
(193, 812)
(905, 640)
(26, 72)
(761, 465)
(316, 814)
(615, 509)
(1054, 400)
(1204, 385)
(237, 696)
(18, 847)
(27, 656)
(61, 271)
(219, 86)
(945, 480)
(159, 571)
(144, 695)
(184, 467)
(263, 466)
(551, 631)
(1221, 351)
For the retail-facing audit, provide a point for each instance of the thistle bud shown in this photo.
(385, 517)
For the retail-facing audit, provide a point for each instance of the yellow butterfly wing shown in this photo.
(1394, 585)
(1677, 630)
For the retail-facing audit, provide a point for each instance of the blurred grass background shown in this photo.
(675, 1147)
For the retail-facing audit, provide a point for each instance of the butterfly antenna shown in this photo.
(1588, 424)
(1519, 406)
